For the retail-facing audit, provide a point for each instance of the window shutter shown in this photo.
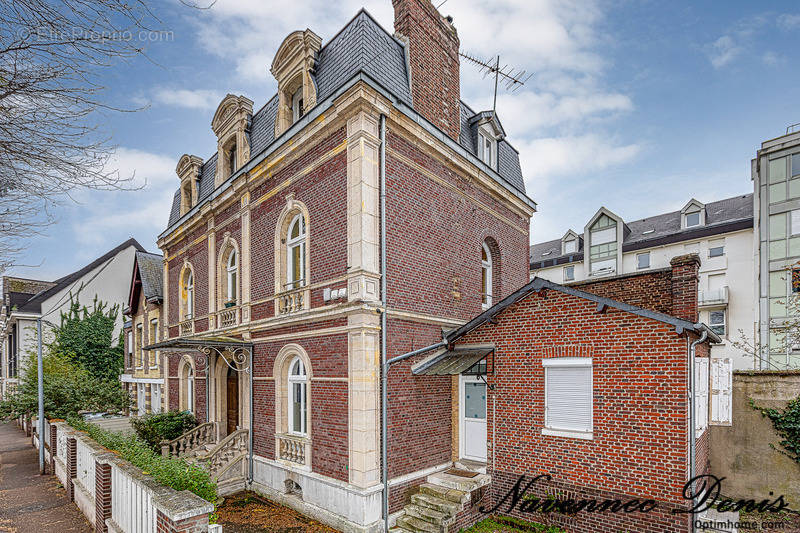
(568, 404)
(721, 390)
(701, 393)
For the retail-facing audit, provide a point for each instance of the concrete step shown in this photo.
(416, 525)
(464, 484)
(473, 466)
(398, 529)
(437, 504)
(433, 516)
(438, 491)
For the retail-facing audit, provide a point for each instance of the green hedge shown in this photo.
(169, 471)
(155, 428)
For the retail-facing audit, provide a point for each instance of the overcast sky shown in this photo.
(637, 105)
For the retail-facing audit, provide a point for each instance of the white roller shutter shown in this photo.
(701, 393)
(568, 396)
(721, 390)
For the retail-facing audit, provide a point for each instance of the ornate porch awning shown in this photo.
(236, 353)
(450, 362)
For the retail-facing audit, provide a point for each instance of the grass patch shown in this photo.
(507, 524)
(170, 471)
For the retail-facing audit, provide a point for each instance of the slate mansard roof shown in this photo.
(362, 47)
(151, 272)
(730, 214)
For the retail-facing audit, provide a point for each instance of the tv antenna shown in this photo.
(512, 78)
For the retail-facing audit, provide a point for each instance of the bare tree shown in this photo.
(52, 56)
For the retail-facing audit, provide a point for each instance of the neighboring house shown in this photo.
(776, 181)
(591, 390)
(720, 232)
(144, 370)
(24, 301)
(274, 316)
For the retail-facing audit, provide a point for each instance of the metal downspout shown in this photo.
(251, 371)
(384, 362)
(692, 407)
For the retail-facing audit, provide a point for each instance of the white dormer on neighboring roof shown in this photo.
(693, 214)
(602, 249)
(569, 243)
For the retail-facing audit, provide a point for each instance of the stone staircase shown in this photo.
(434, 507)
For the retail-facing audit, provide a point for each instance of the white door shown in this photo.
(155, 398)
(141, 399)
(473, 418)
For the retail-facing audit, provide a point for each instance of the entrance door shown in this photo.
(473, 418)
(141, 399)
(232, 401)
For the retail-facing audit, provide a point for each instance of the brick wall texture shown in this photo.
(639, 446)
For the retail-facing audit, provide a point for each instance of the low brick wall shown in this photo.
(119, 497)
(742, 453)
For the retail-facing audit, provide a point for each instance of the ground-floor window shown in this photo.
(568, 395)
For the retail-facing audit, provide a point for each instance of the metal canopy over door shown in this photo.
(472, 416)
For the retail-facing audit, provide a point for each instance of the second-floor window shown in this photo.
(187, 295)
(139, 339)
(569, 273)
(152, 354)
(486, 277)
(296, 253)
(231, 271)
(643, 260)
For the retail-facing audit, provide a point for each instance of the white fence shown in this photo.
(132, 505)
(136, 498)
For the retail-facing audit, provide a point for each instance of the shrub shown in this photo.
(787, 425)
(155, 428)
(170, 471)
(68, 389)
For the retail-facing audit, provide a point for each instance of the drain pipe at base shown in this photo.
(692, 415)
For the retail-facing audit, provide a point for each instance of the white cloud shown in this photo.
(722, 51)
(189, 98)
(103, 219)
(789, 21)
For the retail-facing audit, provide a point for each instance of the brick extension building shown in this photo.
(273, 307)
(590, 389)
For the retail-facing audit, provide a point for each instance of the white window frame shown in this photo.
(724, 322)
(139, 341)
(154, 331)
(292, 380)
(720, 247)
(291, 244)
(569, 362)
(232, 269)
(569, 268)
(573, 243)
(486, 274)
(297, 104)
(188, 287)
(485, 138)
(190, 389)
(638, 263)
(690, 213)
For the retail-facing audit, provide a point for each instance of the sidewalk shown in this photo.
(30, 503)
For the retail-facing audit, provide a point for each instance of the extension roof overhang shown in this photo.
(537, 284)
(451, 362)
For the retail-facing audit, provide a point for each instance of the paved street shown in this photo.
(30, 503)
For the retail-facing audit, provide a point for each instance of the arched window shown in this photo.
(486, 276)
(187, 387)
(298, 395)
(296, 253)
(231, 269)
(187, 295)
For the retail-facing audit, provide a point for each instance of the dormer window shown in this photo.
(232, 159)
(297, 105)
(231, 124)
(487, 148)
(293, 68)
(693, 214)
(188, 170)
(603, 246)
(570, 246)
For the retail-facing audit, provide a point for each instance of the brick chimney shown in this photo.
(433, 56)
(684, 286)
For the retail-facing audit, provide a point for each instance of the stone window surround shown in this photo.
(229, 245)
(183, 296)
(290, 210)
(292, 67)
(186, 371)
(286, 356)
